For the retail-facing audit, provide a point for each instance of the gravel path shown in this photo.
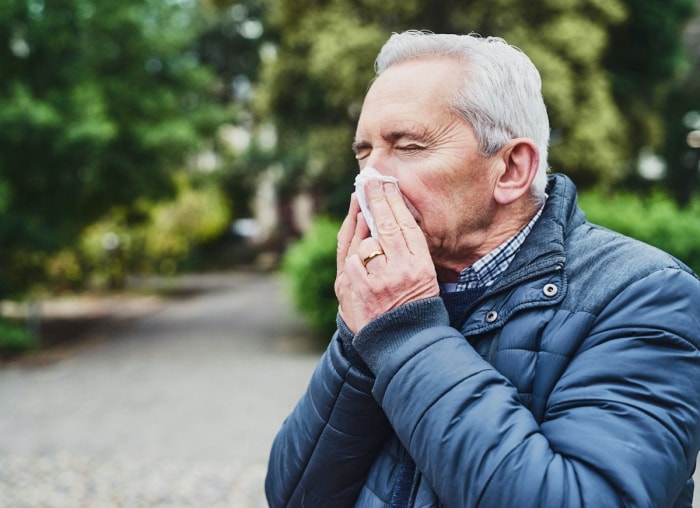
(176, 407)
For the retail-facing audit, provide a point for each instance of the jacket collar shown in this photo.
(543, 249)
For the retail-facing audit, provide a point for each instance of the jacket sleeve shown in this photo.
(621, 426)
(322, 454)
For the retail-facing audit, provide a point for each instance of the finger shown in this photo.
(375, 259)
(389, 233)
(412, 233)
(347, 232)
(361, 231)
(369, 247)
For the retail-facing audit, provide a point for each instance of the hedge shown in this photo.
(655, 220)
(309, 266)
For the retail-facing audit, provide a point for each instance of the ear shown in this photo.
(520, 159)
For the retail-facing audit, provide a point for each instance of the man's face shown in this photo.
(407, 130)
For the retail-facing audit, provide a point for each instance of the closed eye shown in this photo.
(410, 148)
(361, 150)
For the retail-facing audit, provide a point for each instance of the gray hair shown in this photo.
(502, 94)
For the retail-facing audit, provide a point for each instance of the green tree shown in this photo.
(232, 44)
(647, 62)
(682, 116)
(99, 102)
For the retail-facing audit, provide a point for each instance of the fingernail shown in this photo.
(374, 184)
(389, 187)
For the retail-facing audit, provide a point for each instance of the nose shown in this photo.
(381, 164)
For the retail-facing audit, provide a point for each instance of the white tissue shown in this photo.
(360, 180)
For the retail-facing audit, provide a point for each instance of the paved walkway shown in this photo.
(176, 408)
(174, 405)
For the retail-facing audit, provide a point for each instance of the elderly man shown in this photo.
(493, 348)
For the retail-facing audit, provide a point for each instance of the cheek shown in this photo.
(414, 207)
(431, 214)
(426, 199)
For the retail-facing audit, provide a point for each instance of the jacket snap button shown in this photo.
(491, 316)
(550, 290)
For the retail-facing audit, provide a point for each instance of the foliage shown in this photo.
(99, 101)
(683, 161)
(15, 338)
(656, 220)
(681, 101)
(644, 57)
(310, 267)
(231, 43)
(156, 240)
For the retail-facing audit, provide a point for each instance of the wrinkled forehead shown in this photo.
(429, 83)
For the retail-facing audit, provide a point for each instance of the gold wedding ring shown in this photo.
(370, 257)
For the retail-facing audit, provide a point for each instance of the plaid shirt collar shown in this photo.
(486, 270)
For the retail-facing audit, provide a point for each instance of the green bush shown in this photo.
(655, 220)
(309, 267)
(155, 242)
(15, 338)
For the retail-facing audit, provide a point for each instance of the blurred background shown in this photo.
(143, 141)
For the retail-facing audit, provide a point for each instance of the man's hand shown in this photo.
(369, 284)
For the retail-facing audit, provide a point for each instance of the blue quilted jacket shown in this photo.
(573, 381)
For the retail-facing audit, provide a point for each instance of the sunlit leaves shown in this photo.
(99, 103)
